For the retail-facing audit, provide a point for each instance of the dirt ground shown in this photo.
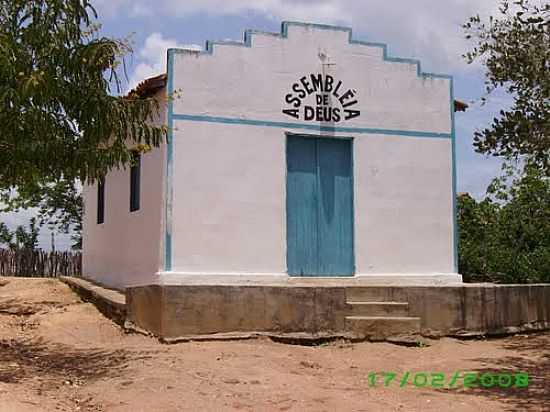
(58, 353)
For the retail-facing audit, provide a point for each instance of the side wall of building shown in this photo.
(228, 172)
(127, 248)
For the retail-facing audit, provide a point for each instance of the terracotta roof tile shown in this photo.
(460, 106)
(149, 86)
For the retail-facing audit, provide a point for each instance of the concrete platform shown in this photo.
(111, 303)
(336, 307)
(321, 309)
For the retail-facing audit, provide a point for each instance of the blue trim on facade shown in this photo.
(306, 126)
(169, 163)
(453, 148)
(353, 240)
(248, 34)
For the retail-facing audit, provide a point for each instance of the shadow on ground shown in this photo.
(52, 364)
(536, 396)
(55, 363)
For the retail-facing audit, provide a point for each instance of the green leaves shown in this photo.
(59, 115)
(62, 120)
(506, 236)
(515, 48)
(59, 205)
(20, 238)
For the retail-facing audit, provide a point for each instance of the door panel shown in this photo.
(302, 244)
(335, 224)
(319, 207)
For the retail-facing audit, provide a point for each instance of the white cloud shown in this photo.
(152, 57)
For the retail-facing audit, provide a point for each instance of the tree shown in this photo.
(59, 205)
(476, 221)
(62, 118)
(59, 117)
(522, 235)
(6, 236)
(515, 49)
(506, 236)
(20, 238)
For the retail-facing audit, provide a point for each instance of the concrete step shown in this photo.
(381, 327)
(376, 294)
(110, 302)
(378, 308)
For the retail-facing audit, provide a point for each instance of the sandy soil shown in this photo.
(60, 354)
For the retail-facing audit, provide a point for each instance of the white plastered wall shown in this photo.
(229, 180)
(403, 205)
(229, 204)
(127, 248)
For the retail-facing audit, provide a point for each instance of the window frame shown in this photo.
(100, 218)
(135, 182)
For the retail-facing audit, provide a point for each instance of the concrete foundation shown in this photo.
(323, 308)
(110, 302)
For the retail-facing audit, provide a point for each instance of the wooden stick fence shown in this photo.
(38, 263)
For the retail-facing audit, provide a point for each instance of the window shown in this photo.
(100, 200)
(135, 172)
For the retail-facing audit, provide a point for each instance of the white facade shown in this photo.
(214, 200)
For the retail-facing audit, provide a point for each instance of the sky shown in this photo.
(428, 30)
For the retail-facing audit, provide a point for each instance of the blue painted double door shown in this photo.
(319, 206)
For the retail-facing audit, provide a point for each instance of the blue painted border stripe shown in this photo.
(169, 163)
(306, 126)
(248, 34)
(454, 177)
